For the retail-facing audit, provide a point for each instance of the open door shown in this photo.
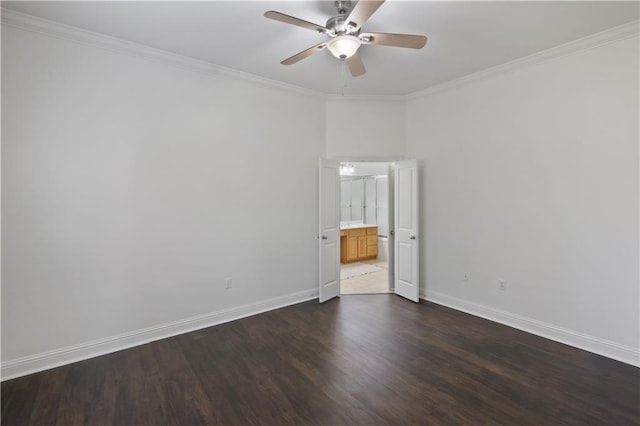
(406, 229)
(329, 230)
(391, 241)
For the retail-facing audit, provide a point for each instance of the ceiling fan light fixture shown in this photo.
(344, 46)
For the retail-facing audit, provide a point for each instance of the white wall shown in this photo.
(364, 129)
(532, 177)
(132, 188)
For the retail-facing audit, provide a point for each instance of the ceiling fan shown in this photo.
(345, 36)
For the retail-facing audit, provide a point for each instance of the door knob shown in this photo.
(324, 237)
(413, 237)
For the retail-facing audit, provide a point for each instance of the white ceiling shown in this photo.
(464, 37)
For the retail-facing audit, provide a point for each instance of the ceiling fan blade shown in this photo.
(356, 67)
(305, 53)
(397, 40)
(272, 14)
(362, 11)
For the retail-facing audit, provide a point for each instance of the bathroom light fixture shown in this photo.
(343, 46)
(347, 169)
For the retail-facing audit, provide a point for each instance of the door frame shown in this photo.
(390, 204)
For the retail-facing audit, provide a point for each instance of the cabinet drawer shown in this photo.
(372, 231)
(357, 232)
(372, 240)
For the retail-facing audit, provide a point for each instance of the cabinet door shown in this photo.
(362, 246)
(352, 248)
(343, 247)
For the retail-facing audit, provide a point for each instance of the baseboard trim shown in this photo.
(626, 354)
(63, 356)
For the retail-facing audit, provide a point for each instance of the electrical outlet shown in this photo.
(229, 283)
(503, 285)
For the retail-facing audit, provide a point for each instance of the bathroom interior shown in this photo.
(364, 228)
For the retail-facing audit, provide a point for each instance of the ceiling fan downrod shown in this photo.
(343, 6)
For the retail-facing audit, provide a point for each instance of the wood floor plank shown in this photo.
(359, 359)
(47, 399)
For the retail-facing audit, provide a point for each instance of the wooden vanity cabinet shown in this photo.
(358, 244)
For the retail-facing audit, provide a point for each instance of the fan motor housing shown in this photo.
(338, 25)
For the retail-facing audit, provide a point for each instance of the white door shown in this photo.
(406, 229)
(329, 229)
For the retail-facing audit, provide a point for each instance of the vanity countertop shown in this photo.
(356, 225)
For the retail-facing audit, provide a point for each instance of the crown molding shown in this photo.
(621, 32)
(386, 98)
(67, 32)
(58, 30)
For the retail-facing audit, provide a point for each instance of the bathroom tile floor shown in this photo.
(373, 282)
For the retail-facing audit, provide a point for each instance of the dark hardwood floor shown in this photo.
(360, 359)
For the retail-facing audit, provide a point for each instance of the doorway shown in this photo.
(364, 228)
(403, 233)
